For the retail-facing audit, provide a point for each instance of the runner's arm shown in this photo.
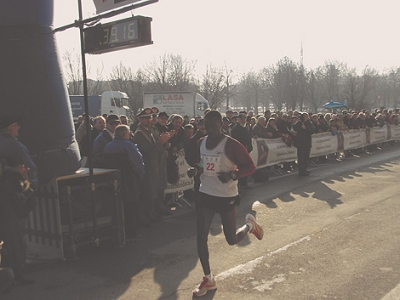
(238, 154)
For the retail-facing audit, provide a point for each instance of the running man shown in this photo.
(222, 160)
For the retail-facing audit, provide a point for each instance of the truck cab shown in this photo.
(114, 102)
(201, 104)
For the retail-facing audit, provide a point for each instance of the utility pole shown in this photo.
(87, 121)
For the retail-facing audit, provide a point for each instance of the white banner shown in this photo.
(105, 5)
(325, 143)
(184, 182)
(377, 134)
(267, 152)
(354, 139)
(394, 132)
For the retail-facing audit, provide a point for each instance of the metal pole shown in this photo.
(87, 121)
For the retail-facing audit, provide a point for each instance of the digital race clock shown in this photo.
(122, 34)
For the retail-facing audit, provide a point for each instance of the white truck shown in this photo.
(190, 104)
(110, 102)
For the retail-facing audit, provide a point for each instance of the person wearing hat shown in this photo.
(159, 205)
(162, 121)
(151, 148)
(21, 169)
(15, 153)
(229, 114)
(104, 138)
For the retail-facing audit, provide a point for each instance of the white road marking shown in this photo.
(393, 294)
(267, 284)
(241, 269)
(249, 266)
(284, 248)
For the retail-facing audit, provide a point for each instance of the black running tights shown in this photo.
(232, 236)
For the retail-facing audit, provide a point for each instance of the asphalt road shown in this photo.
(332, 235)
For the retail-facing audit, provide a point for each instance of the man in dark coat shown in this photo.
(241, 132)
(122, 154)
(104, 138)
(304, 129)
(99, 124)
(151, 149)
(160, 132)
(190, 150)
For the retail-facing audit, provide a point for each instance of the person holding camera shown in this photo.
(18, 179)
(221, 160)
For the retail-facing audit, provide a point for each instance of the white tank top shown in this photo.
(215, 161)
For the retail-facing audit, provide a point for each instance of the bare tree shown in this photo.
(351, 88)
(394, 84)
(169, 73)
(230, 87)
(314, 90)
(383, 88)
(73, 73)
(123, 79)
(332, 78)
(96, 86)
(213, 86)
(291, 84)
(74, 77)
(368, 82)
(272, 87)
(357, 88)
(253, 90)
(281, 83)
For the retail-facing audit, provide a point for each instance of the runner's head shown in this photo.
(213, 122)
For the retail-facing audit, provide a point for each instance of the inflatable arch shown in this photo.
(32, 86)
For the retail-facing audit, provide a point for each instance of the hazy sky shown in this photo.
(251, 34)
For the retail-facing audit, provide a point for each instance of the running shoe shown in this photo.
(205, 286)
(256, 229)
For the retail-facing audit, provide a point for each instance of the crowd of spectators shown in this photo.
(145, 152)
(278, 124)
(160, 137)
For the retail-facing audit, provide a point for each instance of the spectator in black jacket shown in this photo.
(304, 129)
(99, 124)
(259, 130)
(190, 151)
(272, 130)
(283, 124)
(241, 132)
(315, 122)
(323, 124)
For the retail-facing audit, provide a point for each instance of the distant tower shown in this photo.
(301, 54)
